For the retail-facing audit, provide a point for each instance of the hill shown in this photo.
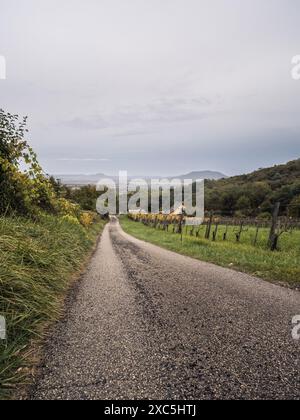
(257, 192)
(80, 179)
(93, 179)
(209, 175)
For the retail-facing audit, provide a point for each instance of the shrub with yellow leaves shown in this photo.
(87, 219)
(67, 208)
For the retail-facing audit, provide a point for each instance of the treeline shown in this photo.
(86, 196)
(251, 196)
(256, 194)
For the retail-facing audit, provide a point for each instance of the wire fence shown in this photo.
(255, 231)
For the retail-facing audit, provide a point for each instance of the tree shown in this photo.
(22, 191)
(86, 196)
(228, 201)
(244, 205)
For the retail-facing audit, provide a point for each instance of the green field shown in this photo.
(37, 263)
(281, 266)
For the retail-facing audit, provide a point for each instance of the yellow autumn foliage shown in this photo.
(87, 219)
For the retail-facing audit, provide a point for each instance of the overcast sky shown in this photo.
(157, 87)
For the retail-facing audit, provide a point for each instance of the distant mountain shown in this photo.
(209, 175)
(81, 179)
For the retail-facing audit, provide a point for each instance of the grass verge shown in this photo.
(37, 264)
(282, 266)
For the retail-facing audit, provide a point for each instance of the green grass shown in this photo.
(37, 262)
(282, 266)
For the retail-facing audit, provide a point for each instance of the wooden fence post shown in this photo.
(273, 237)
(239, 233)
(226, 232)
(208, 228)
(256, 235)
(241, 230)
(215, 232)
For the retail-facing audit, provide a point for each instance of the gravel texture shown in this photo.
(145, 323)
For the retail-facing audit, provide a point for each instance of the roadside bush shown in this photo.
(86, 196)
(87, 219)
(67, 208)
(22, 191)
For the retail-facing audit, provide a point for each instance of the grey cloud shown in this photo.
(83, 160)
(154, 86)
(92, 123)
(131, 133)
(159, 111)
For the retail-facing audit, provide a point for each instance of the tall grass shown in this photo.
(36, 263)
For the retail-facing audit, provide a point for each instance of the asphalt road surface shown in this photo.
(145, 323)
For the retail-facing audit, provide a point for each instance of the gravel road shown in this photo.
(145, 323)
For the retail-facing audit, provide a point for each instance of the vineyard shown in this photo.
(276, 234)
(242, 245)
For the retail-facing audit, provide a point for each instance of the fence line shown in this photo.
(212, 224)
